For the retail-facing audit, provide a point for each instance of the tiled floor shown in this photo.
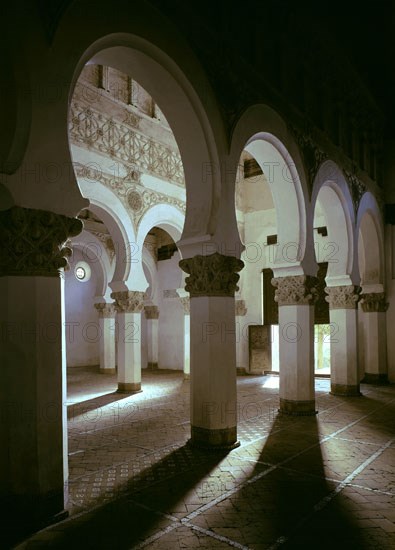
(309, 482)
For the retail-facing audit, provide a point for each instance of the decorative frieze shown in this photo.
(128, 301)
(343, 297)
(33, 241)
(356, 186)
(295, 290)
(240, 308)
(120, 141)
(106, 311)
(313, 156)
(374, 302)
(137, 198)
(213, 275)
(151, 312)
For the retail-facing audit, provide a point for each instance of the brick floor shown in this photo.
(310, 482)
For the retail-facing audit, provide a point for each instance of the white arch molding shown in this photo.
(330, 189)
(370, 235)
(95, 254)
(263, 133)
(193, 128)
(128, 273)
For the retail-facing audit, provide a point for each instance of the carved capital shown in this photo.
(186, 304)
(240, 308)
(151, 312)
(295, 290)
(213, 275)
(128, 301)
(342, 297)
(106, 311)
(374, 301)
(33, 241)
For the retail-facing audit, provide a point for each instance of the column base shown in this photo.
(107, 371)
(214, 440)
(152, 366)
(343, 390)
(241, 371)
(378, 379)
(187, 376)
(297, 408)
(129, 387)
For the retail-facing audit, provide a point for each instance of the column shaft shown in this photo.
(33, 415)
(152, 315)
(129, 305)
(344, 340)
(211, 284)
(375, 306)
(295, 296)
(107, 314)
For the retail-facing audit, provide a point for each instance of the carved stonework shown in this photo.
(295, 290)
(374, 302)
(128, 301)
(106, 311)
(122, 141)
(151, 312)
(343, 297)
(240, 308)
(33, 241)
(313, 156)
(186, 304)
(357, 188)
(137, 198)
(213, 275)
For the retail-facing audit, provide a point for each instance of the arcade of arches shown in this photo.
(142, 234)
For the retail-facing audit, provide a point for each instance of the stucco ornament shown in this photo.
(295, 290)
(213, 275)
(128, 301)
(343, 297)
(33, 242)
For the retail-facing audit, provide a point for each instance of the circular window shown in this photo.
(82, 272)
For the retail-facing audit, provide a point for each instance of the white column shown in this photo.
(33, 415)
(295, 296)
(344, 339)
(212, 284)
(129, 305)
(241, 340)
(152, 316)
(375, 306)
(185, 302)
(107, 313)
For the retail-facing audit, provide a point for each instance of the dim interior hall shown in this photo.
(197, 275)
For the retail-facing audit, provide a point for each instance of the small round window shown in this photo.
(82, 272)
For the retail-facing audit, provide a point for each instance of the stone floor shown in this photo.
(309, 482)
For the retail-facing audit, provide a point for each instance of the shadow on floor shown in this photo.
(133, 516)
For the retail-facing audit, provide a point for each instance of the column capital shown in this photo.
(374, 302)
(240, 308)
(128, 301)
(33, 242)
(106, 311)
(295, 290)
(151, 312)
(212, 275)
(186, 304)
(342, 297)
